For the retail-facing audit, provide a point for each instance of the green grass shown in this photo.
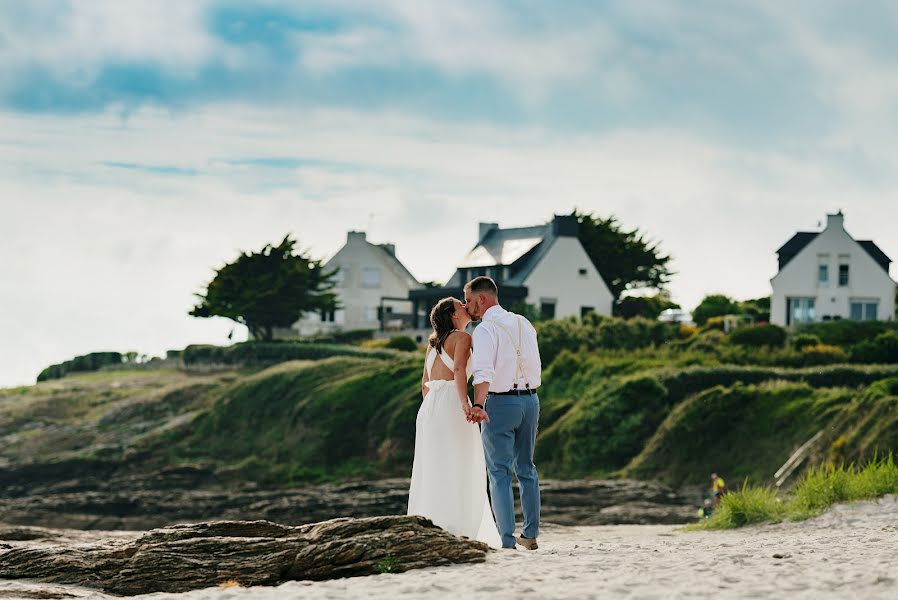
(672, 414)
(818, 489)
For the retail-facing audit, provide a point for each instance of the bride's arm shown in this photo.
(424, 377)
(461, 357)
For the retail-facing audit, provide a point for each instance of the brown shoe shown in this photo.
(527, 543)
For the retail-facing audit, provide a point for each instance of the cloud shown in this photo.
(142, 145)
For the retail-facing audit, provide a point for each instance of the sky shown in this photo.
(144, 144)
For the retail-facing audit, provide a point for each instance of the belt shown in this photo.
(523, 392)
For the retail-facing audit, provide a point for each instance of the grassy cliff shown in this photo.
(673, 413)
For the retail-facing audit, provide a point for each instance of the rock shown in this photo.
(139, 502)
(187, 557)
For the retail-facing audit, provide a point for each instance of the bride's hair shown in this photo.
(441, 321)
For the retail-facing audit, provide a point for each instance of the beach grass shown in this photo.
(818, 489)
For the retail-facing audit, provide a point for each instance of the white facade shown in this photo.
(368, 273)
(567, 278)
(832, 277)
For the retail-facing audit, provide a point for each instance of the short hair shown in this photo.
(482, 285)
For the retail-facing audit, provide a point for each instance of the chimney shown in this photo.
(390, 248)
(485, 228)
(565, 226)
(355, 236)
(836, 220)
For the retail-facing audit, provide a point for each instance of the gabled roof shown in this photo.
(878, 255)
(797, 243)
(396, 265)
(504, 246)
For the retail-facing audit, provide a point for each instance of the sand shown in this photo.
(849, 552)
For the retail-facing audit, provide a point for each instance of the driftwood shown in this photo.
(187, 557)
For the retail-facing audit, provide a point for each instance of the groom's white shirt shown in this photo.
(494, 357)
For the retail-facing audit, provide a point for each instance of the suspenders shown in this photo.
(517, 349)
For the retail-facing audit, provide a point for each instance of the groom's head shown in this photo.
(480, 294)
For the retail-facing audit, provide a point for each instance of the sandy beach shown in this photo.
(850, 551)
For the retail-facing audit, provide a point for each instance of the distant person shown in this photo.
(449, 469)
(718, 488)
(706, 510)
(507, 371)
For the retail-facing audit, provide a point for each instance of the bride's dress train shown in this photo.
(449, 471)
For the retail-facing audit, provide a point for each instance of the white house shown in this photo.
(372, 288)
(829, 275)
(545, 265)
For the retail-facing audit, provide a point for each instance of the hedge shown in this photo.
(267, 353)
(755, 336)
(80, 364)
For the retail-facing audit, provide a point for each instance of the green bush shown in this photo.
(822, 354)
(882, 349)
(351, 336)
(403, 343)
(755, 336)
(268, 353)
(802, 340)
(847, 333)
(81, 364)
(594, 332)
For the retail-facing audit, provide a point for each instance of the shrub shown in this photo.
(847, 333)
(268, 353)
(803, 340)
(402, 342)
(714, 305)
(686, 331)
(882, 349)
(594, 332)
(707, 341)
(822, 354)
(759, 335)
(81, 364)
(352, 336)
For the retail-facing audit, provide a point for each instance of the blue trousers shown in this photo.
(508, 442)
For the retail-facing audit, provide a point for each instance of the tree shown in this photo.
(714, 305)
(649, 307)
(625, 259)
(268, 289)
(757, 308)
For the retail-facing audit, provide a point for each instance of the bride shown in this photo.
(449, 471)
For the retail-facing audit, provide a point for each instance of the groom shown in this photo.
(507, 372)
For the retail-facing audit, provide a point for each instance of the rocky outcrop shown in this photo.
(186, 557)
(71, 496)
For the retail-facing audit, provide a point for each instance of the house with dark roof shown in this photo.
(543, 265)
(373, 287)
(828, 275)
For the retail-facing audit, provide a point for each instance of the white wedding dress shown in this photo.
(449, 471)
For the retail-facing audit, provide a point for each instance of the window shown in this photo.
(843, 275)
(327, 316)
(371, 277)
(585, 310)
(823, 274)
(582, 272)
(547, 309)
(370, 314)
(864, 311)
(800, 310)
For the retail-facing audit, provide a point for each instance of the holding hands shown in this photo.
(476, 414)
